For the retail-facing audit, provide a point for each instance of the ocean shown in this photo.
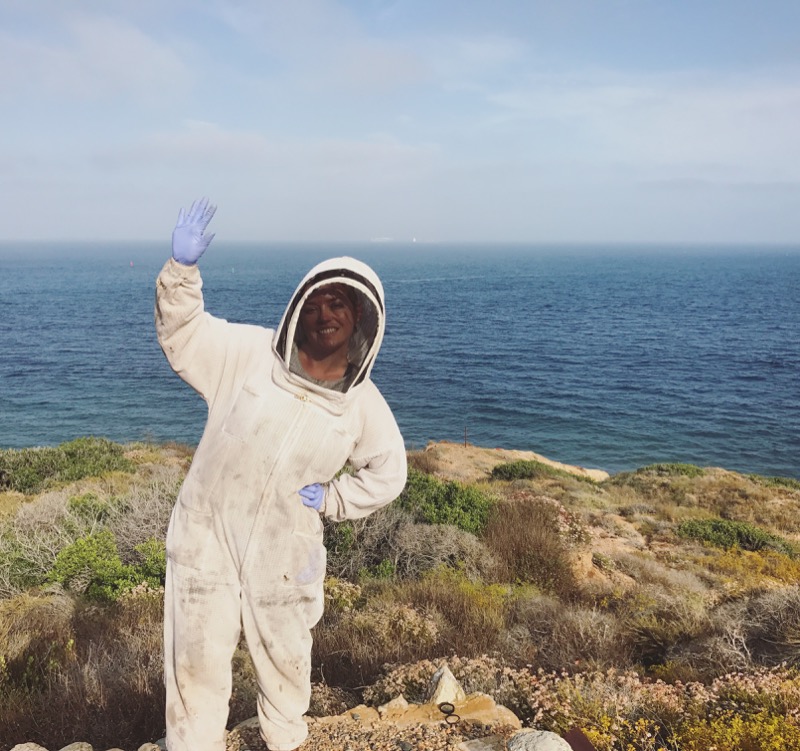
(602, 356)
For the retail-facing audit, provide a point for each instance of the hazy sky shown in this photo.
(506, 120)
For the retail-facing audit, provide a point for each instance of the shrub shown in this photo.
(526, 538)
(654, 621)
(445, 502)
(103, 681)
(762, 731)
(662, 483)
(419, 548)
(395, 539)
(92, 566)
(383, 570)
(669, 469)
(356, 546)
(444, 608)
(151, 568)
(31, 470)
(423, 461)
(392, 626)
(142, 512)
(351, 643)
(32, 538)
(554, 635)
(340, 596)
(473, 614)
(529, 469)
(774, 626)
(747, 570)
(776, 482)
(36, 636)
(724, 533)
(89, 507)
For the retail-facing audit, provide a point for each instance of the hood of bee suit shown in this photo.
(368, 334)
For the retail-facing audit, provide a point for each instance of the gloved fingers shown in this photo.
(208, 238)
(208, 214)
(197, 210)
(181, 218)
(309, 491)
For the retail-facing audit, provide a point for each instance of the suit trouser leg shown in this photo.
(202, 624)
(277, 627)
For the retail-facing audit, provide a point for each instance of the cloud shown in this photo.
(711, 126)
(321, 45)
(210, 144)
(90, 58)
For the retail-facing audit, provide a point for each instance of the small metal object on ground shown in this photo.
(448, 709)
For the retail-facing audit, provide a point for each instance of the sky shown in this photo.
(535, 121)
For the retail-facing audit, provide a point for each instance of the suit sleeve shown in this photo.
(193, 340)
(379, 461)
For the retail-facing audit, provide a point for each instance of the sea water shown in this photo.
(602, 356)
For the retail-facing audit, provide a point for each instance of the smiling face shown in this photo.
(327, 320)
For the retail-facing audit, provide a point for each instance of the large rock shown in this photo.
(445, 688)
(538, 740)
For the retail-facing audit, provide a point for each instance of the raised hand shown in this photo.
(188, 240)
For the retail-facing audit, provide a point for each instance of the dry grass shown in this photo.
(529, 539)
(94, 674)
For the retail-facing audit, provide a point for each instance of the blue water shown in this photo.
(599, 356)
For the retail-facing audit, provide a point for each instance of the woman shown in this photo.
(287, 409)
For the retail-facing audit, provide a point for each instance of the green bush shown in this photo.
(383, 570)
(445, 502)
(89, 507)
(529, 469)
(724, 533)
(779, 482)
(92, 566)
(152, 567)
(32, 470)
(675, 468)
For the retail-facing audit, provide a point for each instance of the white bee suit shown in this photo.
(243, 552)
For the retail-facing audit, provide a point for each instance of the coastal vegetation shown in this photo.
(657, 609)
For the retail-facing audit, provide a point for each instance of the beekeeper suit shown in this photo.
(244, 545)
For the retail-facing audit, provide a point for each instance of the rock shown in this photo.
(143, 747)
(398, 704)
(79, 746)
(538, 740)
(490, 743)
(28, 747)
(252, 722)
(161, 743)
(445, 687)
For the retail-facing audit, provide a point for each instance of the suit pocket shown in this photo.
(242, 420)
(189, 537)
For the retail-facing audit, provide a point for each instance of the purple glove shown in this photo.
(188, 241)
(313, 496)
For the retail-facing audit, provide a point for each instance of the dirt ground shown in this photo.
(468, 463)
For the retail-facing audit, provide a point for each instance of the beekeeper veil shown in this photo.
(363, 288)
